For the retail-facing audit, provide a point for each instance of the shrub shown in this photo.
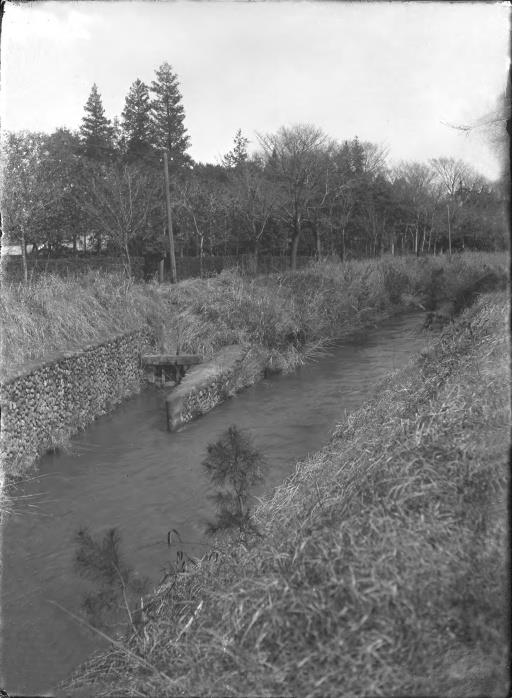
(233, 463)
(118, 587)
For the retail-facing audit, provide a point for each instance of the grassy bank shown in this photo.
(281, 315)
(382, 570)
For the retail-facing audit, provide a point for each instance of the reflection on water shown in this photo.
(127, 471)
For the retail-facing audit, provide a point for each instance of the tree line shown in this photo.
(300, 192)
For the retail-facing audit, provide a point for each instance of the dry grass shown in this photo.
(53, 314)
(383, 565)
(283, 315)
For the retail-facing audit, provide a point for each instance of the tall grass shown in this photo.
(52, 314)
(382, 569)
(282, 314)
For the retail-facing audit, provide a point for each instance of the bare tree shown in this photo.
(120, 200)
(26, 192)
(420, 199)
(374, 158)
(254, 198)
(494, 127)
(203, 203)
(455, 179)
(293, 160)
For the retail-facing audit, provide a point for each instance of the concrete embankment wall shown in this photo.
(207, 385)
(48, 402)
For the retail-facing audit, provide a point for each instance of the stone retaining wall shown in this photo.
(47, 403)
(207, 385)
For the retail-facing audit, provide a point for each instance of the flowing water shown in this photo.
(127, 471)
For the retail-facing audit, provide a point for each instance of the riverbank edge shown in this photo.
(449, 409)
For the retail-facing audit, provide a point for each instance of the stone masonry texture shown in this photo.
(45, 404)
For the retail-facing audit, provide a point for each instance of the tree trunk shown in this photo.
(24, 255)
(343, 250)
(373, 242)
(256, 255)
(295, 243)
(318, 244)
(293, 255)
(128, 260)
(201, 254)
(449, 232)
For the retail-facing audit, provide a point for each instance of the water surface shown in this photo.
(127, 471)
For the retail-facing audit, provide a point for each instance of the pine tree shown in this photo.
(96, 129)
(238, 154)
(236, 465)
(358, 157)
(168, 115)
(117, 586)
(118, 138)
(137, 127)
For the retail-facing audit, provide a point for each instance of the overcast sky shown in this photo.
(390, 73)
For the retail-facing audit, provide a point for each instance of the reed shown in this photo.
(282, 314)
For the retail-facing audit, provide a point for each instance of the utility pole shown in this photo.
(169, 218)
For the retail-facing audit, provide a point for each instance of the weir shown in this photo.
(207, 385)
(166, 368)
(199, 386)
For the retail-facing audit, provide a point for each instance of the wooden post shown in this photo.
(169, 218)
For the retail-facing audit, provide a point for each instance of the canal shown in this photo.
(127, 471)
